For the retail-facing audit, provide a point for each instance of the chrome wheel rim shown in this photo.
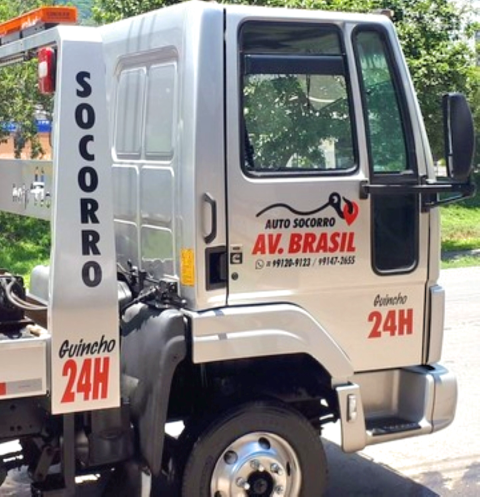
(258, 464)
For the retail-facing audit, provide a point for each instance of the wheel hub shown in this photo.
(261, 484)
(257, 465)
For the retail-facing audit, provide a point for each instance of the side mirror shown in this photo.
(459, 136)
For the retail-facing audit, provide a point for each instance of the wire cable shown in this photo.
(20, 303)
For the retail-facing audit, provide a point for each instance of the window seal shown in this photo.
(401, 101)
(242, 128)
(325, 65)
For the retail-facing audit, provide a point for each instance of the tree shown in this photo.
(105, 11)
(432, 34)
(19, 96)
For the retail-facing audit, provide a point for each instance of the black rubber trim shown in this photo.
(213, 204)
(153, 344)
(294, 64)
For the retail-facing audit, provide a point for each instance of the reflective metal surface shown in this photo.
(260, 464)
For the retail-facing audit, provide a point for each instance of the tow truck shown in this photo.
(245, 241)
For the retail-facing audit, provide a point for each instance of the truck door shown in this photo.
(314, 110)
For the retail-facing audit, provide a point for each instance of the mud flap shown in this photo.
(153, 344)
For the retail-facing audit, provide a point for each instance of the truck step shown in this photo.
(389, 425)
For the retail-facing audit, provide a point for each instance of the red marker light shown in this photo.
(46, 70)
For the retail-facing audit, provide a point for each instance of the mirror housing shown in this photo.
(459, 136)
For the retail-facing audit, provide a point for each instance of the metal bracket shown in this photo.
(426, 190)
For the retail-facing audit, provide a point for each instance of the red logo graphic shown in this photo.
(350, 212)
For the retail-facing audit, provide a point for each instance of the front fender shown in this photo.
(265, 330)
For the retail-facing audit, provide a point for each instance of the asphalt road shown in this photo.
(443, 464)
(446, 463)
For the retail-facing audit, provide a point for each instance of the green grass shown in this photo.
(24, 243)
(461, 261)
(461, 224)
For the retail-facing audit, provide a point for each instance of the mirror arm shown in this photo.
(428, 191)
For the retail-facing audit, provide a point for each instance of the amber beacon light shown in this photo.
(38, 19)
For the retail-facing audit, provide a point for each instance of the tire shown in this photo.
(257, 449)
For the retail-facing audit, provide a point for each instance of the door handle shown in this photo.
(213, 205)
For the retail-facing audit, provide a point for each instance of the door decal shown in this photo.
(307, 233)
(349, 212)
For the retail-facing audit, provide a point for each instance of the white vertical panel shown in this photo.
(83, 314)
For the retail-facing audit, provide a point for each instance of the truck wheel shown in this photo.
(258, 449)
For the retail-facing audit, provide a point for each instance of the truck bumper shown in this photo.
(396, 404)
(444, 396)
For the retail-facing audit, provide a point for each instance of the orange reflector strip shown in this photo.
(3, 389)
(43, 15)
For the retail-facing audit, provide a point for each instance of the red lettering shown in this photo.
(308, 241)
(390, 323)
(295, 244)
(91, 386)
(376, 317)
(351, 242)
(334, 242)
(405, 321)
(260, 246)
(273, 243)
(85, 379)
(396, 322)
(100, 374)
(70, 370)
(322, 244)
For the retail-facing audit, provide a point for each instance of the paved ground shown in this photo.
(444, 464)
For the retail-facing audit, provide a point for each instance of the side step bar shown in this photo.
(424, 402)
(390, 425)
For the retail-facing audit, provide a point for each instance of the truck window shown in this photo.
(129, 111)
(145, 125)
(160, 110)
(295, 95)
(388, 144)
(391, 152)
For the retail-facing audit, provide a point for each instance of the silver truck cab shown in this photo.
(271, 237)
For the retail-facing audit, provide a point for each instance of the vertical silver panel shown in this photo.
(157, 218)
(126, 243)
(436, 324)
(156, 198)
(83, 305)
(157, 252)
(125, 200)
(161, 98)
(129, 105)
(144, 181)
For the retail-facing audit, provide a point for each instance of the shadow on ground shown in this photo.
(351, 475)
(354, 475)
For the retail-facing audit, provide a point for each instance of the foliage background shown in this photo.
(436, 39)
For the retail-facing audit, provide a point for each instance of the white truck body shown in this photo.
(166, 172)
